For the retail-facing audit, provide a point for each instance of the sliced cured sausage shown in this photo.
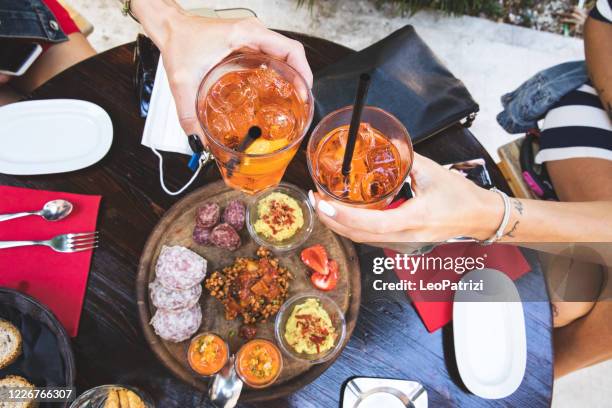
(179, 268)
(224, 236)
(207, 215)
(201, 235)
(177, 325)
(163, 298)
(235, 214)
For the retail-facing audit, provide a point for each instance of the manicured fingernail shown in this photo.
(327, 208)
(312, 199)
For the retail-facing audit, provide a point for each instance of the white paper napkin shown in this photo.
(162, 129)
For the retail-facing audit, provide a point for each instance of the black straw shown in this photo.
(252, 135)
(360, 98)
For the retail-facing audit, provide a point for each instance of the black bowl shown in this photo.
(47, 359)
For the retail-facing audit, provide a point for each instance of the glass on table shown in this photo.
(381, 161)
(104, 395)
(249, 90)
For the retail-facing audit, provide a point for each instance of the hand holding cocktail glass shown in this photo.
(191, 45)
(446, 205)
(351, 201)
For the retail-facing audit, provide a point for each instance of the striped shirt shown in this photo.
(602, 11)
(578, 126)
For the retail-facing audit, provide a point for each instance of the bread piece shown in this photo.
(124, 402)
(10, 343)
(134, 400)
(14, 381)
(112, 399)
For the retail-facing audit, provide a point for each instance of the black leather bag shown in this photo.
(408, 81)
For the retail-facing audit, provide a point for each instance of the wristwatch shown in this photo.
(126, 9)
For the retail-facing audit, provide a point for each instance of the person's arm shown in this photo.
(447, 205)
(191, 45)
(547, 221)
(598, 51)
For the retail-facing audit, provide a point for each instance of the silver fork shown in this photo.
(78, 242)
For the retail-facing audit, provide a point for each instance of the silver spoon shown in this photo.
(225, 387)
(52, 211)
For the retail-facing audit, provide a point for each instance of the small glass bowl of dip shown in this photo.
(207, 354)
(259, 352)
(321, 302)
(280, 218)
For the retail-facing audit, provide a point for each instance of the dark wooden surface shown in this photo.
(389, 340)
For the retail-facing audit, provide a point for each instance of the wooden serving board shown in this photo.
(175, 228)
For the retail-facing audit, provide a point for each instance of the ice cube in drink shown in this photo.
(276, 122)
(374, 167)
(254, 97)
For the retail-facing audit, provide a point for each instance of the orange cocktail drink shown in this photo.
(254, 90)
(381, 160)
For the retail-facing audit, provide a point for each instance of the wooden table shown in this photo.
(389, 341)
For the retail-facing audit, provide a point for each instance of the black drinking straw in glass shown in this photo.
(253, 134)
(360, 98)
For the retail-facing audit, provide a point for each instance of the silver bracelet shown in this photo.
(504, 223)
(126, 9)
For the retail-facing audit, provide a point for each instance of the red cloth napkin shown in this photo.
(436, 307)
(55, 279)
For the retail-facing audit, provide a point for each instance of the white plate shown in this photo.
(52, 136)
(489, 334)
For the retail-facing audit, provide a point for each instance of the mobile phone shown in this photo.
(17, 56)
(474, 170)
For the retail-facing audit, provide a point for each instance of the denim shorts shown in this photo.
(30, 19)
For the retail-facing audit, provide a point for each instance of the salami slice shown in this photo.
(235, 214)
(224, 236)
(201, 235)
(207, 215)
(163, 298)
(177, 325)
(179, 268)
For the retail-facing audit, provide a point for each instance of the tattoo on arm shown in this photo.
(512, 230)
(518, 205)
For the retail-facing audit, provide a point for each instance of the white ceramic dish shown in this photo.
(489, 335)
(52, 136)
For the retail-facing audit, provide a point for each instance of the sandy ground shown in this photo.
(490, 58)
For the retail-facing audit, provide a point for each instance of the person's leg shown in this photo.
(8, 95)
(586, 334)
(588, 340)
(53, 61)
(573, 286)
(581, 179)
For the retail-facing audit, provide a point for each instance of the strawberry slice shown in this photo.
(315, 257)
(326, 282)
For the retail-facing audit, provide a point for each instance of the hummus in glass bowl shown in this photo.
(280, 218)
(310, 327)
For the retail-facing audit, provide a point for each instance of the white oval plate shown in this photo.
(489, 335)
(52, 136)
